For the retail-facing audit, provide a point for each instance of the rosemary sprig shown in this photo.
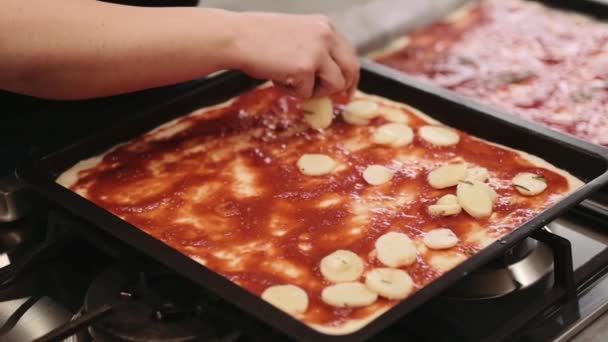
(521, 187)
(466, 182)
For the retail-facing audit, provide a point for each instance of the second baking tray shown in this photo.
(581, 160)
(598, 9)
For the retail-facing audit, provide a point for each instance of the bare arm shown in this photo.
(71, 49)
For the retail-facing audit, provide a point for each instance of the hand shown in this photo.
(302, 54)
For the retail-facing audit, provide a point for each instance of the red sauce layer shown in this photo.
(184, 190)
(542, 64)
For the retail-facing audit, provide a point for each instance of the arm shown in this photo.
(71, 49)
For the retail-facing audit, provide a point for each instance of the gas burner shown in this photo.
(148, 305)
(526, 266)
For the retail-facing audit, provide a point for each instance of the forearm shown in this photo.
(70, 49)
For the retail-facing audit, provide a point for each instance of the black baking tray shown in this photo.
(599, 10)
(596, 9)
(589, 163)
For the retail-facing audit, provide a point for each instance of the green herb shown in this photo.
(307, 112)
(466, 182)
(540, 178)
(521, 187)
(385, 281)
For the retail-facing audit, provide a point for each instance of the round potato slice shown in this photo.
(478, 173)
(393, 134)
(447, 176)
(389, 283)
(288, 298)
(445, 209)
(316, 164)
(396, 249)
(441, 238)
(395, 115)
(363, 109)
(318, 112)
(354, 120)
(447, 199)
(529, 184)
(475, 198)
(377, 175)
(348, 295)
(439, 136)
(341, 266)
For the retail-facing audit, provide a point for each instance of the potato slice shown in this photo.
(478, 173)
(341, 266)
(475, 198)
(396, 249)
(529, 184)
(447, 199)
(354, 120)
(363, 109)
(318, 112)
(394, 115)
(289, 298)
(439, 136)
(447, 176)
(393, 134)
(348, 295)
(389, 283)
(377, 175)
(446, 206)
(316, 164)
(441, 238)
(444, 209)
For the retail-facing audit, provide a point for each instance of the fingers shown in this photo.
(324, 64)
(329, 78)
(346, 58)
(300, 85)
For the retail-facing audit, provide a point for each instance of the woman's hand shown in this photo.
(303, 54)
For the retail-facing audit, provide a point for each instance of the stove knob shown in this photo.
(13, 199)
